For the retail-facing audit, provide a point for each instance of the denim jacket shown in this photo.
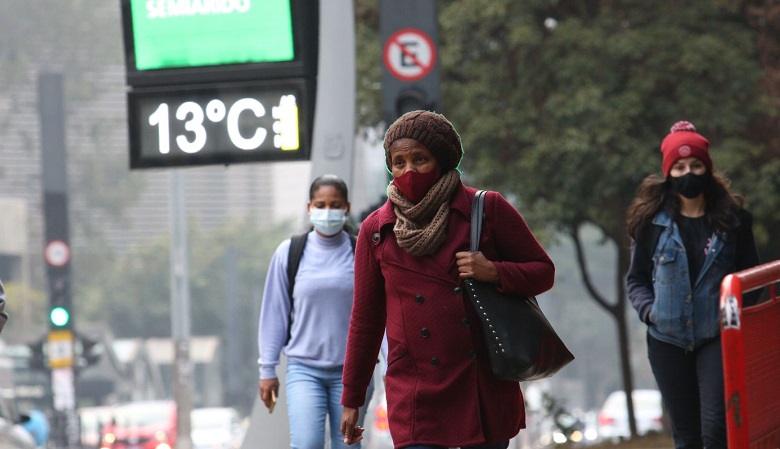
(685, 315)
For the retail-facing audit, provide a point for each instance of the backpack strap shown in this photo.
(297, 244)
(294, 256)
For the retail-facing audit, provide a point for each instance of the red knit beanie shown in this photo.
(683, 141)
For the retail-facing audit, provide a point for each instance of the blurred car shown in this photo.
(572, 430)
(613, 417)
(92, 420)
(377, 434)
(141, 425)
(13, 435)
(216, 428)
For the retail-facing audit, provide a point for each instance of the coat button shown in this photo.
(465, 322)
(457, 290)
(435, 361)
(419, 299)
(425, 332)
(375, 237)
(472, 355)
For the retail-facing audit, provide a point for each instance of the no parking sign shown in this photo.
(409, 54)
(57, 253)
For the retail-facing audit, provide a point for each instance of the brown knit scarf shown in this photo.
(421, 228)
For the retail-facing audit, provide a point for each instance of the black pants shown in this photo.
(691, 384)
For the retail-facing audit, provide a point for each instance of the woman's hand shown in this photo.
(352, 433)
(476, 266)
(269, 391)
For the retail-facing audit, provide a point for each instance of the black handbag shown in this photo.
(521, 342)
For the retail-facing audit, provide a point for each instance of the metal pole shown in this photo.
(65, 426)
(333, 138)
(180, 312)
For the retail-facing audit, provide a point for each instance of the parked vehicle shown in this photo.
(92, 420)
(613, 418)
(216, 428)
(141, 425)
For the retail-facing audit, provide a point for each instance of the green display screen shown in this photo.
(197, 33)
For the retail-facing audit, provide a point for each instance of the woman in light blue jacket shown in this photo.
(307, 318)
(689, 232)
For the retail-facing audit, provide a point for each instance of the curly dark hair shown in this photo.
(656, 192)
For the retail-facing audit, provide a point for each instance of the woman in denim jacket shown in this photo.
(689, 232)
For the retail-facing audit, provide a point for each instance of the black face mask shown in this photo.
(688, 185)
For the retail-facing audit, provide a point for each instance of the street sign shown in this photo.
(62, 385)
(60, 347)
(409, 54)
(57, 253)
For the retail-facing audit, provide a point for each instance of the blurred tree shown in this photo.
(764, 17)
(369, 70)
(562, 105)
(138, 291)
(28, 318)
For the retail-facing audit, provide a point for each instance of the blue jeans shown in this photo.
(503, 445)
(691, 385)
(313, 393)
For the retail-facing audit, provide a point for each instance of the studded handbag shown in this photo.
(521, 342)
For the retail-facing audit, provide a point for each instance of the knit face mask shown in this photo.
(327, 222)
(414, 185)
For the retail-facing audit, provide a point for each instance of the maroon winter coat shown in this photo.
(440, 389)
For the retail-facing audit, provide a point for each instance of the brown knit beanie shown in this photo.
(430, 129)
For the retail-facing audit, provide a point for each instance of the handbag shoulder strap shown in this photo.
(477, 206)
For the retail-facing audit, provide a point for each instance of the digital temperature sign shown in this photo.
(217, 124)
(220, 81)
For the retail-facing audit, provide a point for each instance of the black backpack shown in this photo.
(297, 244)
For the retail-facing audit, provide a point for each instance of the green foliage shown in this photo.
(134, 291)
(569, 118)
(368, 61)
(27, 309)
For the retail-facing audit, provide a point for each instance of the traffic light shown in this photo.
(408, 31)
(60, 315)
(88, 351)
(37, 360)
(412, 99)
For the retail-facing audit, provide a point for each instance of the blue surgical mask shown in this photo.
(328, 221)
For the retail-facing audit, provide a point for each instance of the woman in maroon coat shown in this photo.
(411, 257)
